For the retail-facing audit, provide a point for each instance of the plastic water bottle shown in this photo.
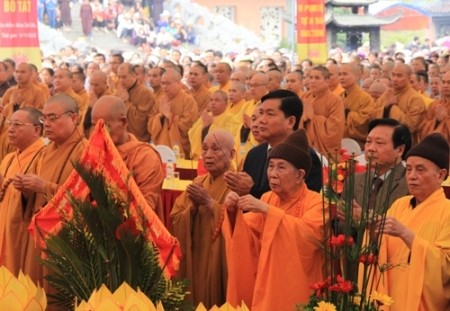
(170, 169)
(176, 151)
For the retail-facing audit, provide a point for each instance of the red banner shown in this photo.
(19, 31)
(311, 33)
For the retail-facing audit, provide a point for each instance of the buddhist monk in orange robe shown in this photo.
(196, 80)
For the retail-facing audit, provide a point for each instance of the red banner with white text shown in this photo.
(311, 33)
(19, 31)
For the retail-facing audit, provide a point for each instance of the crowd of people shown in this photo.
(263, 127)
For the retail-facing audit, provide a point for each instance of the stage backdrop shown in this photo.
(19, 31)
(311, 34)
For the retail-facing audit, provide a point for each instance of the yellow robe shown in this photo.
(226, 121)
(326, 128)
(420, 276)
(201, 96)
(144, 163)
(409, 109)
(28, 96)
(170, 132)
(203, 260)
(339, 90)
(224, 88)
(14, 216)
(360, 105)
(140, 109)
(273, 258)
(45, 89)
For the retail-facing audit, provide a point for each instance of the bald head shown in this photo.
(65, 101)
(171, 83)
(110, 107)
(238, 76)
(275, 77)
(113, 112)
(172, 75)
(333, 80)
(224, 137)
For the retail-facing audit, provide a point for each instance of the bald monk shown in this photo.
(141, 159)
(196, 220)
(275, 78)
(98, 87)
(437, 116)
(40, 183)
(376, 89)
(293, 81)
(35, 80)
(197, 78)
(176, 114)
(217, 118)
(402, 102)
(238, 76)
(154, 78)
(222, 75)
(24, 134)
(236, 97)
(358, 104)
(78, 81)
(139, 100)
(323, 115)
(333, 81)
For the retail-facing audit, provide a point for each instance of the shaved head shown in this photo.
(113, 112)
(111, 107)
(224, 137)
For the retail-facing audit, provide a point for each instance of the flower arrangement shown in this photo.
(20, 293)
(351, 243)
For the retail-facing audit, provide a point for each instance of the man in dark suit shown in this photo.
(280, 112)
(386, 145)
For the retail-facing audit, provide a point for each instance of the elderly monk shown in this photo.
(402, 102)
(198, 74)
(217, 118)
(358, 104)
(141, 159)
(278, 241)
(39, 185)
(323, 116)
(196, 219)
(222, 74)
(416, 233)
(176, 114)
(437, 116)
(139, 100)
(25, 134)
(236, 97)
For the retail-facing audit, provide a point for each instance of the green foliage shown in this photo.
(404, 37)
(103, 244)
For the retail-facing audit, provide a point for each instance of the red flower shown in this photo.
(368, 259)
(127, 227)
(320, 286)
(342, 286)
(341, 240)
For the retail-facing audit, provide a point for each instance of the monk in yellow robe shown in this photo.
(35, 80)
(402, 102)
(196, 220)
(39, 185)
(323, 115)
(25, 133)
(236, 96)
(177, 113)
(98, 87)
(139, 100)
(217, 118)
(222, 74)
(358, 104)
(141, 159)
(154, 77)
(277, 242)
(333, 81)
(78, 82)
(196, 80)
(416, 240)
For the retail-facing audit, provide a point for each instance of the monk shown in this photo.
(78, 81)
(154, 78)
(197, 78)
(323, 115)
(274, 250)
(40, 183)
(24, 132)
(41, 85)
(196, 219)
(176, 114)
(139, 100)
(358, 104)
(217, 118)
(402, 102)
(333, 81)
(293, 81)
(416, 233)
(222, 74)
(275, 78)
(437, 116)
(140, 158)
(236, 97)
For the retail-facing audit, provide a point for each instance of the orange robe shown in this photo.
(201, 96)
(409, 109)
(431, 125)
(224, 88)
(326, 128)
(239, 108)
(14, 216)
(420, 277)
(339, 90)
(140, 109)
(28, 96)
(273, 258)
(144, 163)
(359, 105)
(44, 88)
(203, 260)
(170, 132)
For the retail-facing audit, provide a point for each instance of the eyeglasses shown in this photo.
(52, 117)
(18, 123)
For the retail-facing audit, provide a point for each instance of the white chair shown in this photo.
(361, 159)
(351, 146)
(166, 153)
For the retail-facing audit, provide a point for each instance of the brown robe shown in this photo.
(201, 96)
(140, 109)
